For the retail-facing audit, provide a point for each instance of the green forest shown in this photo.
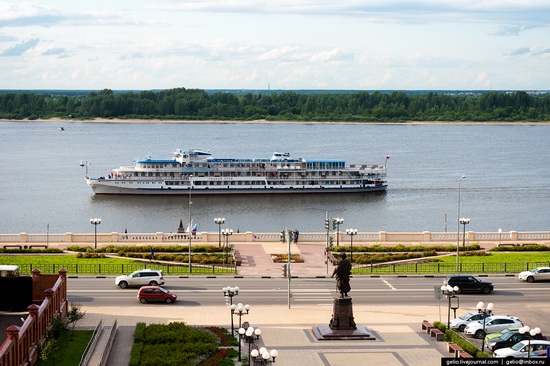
(198, 104)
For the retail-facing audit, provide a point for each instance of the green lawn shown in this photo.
(71, 347)
(494, 263)
(501, 258)
(105, 266)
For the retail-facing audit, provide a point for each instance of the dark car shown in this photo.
(155, 294)
(467, 283)
(511, 338)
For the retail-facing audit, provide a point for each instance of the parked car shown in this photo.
(536, 274)
(151, 277)
(155, 294)
(490, 336)
(461, 322)
(467, 283)
(511, 338)
(521, 349)
(493, 324)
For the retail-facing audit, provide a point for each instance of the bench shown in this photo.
(507, 245)
(427, 326)
(38, 246)
(464, 354)
(455, 348)
(439, 335)
(13, 246)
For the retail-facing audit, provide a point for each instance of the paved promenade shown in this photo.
(399, 338)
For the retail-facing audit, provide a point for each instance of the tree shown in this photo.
(74, 314)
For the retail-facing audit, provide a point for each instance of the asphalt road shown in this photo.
(529, 301)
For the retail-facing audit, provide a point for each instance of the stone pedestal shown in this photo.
(342, 315)
(342, 325)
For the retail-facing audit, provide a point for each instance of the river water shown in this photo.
(507, 183)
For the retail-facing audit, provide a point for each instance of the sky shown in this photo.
(275, 44)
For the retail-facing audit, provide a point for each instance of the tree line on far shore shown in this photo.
(198, 104)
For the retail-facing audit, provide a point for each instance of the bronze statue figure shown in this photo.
(342, 272)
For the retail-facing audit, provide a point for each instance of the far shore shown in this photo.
(263, 121)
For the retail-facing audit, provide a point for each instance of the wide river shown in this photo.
(507, 183)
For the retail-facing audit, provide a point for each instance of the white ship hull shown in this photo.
(102, 187)
(196, 172)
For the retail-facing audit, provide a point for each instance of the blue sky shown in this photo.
(298, 44)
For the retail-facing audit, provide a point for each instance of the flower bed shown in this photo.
(283, 258)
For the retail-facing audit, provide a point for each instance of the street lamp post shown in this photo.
(486, 312)
(226, 233)
(458, 222)
(249, 334)
(95, 222)
(450, 292)
(351, 233)
(190, 221)
(336, 222)
(239, 310)
(263, 356)
(499, 236)
(464, 221)
(532, 334)
(220, 221)
(229, 291)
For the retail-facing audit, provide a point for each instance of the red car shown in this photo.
(155, 294)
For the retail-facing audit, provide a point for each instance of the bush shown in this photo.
(452, 336)
(406, 248)
(523, 248)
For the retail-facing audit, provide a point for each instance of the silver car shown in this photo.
(142, 277)
(461, 322)
(521, 349)
(536, 274)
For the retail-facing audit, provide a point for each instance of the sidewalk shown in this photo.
(397, 329)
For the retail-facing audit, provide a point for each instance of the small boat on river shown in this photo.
(197, 172)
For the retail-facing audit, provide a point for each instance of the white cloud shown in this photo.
(20, 48)
(335, 54)
(277, 53)
(292, 44)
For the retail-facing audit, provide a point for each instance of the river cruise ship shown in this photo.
(197, 172)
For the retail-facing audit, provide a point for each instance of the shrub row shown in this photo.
(388, 257)
(30, 250)
(405, 248)
(523, 248)
(184, 258)
(452, 336)
(147, 249)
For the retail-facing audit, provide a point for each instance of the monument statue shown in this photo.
(342, 273)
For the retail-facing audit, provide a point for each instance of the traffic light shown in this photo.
(334, 223)
(285, 269)
(327, 225)
(331, 241)
(282, 238)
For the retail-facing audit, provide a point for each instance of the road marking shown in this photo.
(389, 285)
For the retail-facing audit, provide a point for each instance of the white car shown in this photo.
(536, 274)
(461, 322)
(521, 349)
(142, 277)
(493, 324)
